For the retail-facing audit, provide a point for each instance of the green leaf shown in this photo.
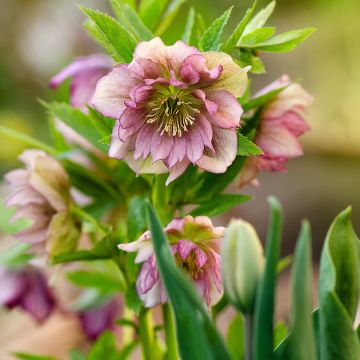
(220, 204)
(284, 263)
(236, 35)
(102, 281)
(247, 58)
(104, 348)
(256, 36)
(118, 39)
(263, 335)
(132, 299)
(25, 356)
(189, 27)
(235, 339)
(210, 41)
(106, 248)
(137, 217)
(83, 124)
(169, 16)
(197, 336)
(76, 355)
(260, 18)
(280, 333)
(7, 225)
(246, 147)
(102, 124)
(150, 11)
(130, 20)
(284, 42)
(16, 256)
(300, 343)
(316, 327)
(339, 291)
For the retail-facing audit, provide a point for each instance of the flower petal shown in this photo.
(177, 170)
(161, 146)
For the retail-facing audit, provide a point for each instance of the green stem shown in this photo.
(147, 335)
(248, 336)
(159, 199)
(87, 217)
(170, 333)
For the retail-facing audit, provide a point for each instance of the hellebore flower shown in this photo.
(96, 320)
(84, 73)
(26, 288)
(281, 123)
(174, 106)
(42, 194)
(195, 245)
(242, 264)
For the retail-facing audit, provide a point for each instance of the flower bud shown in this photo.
(242, 264)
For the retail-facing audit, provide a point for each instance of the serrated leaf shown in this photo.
(236, 35)
(131, 20)
(150, 11)
(197, 336)
(220, 204)
(83, 124)
(247, 58)
(284, 42)
(236, 337)
(189, 27)
(260, 18)
(246, 147)
(210, 41)
(117, 38)
(263, 335)
(256, 36)
(169, 16)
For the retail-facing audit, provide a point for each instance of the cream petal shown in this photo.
(177, 170)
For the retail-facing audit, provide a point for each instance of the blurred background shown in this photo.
(40, 37)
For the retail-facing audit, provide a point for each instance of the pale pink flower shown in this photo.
(42, 195)
(282, 121)
(26, 288)
(174, 106)
(84, 73)
(195, 246)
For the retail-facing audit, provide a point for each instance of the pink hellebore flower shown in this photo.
(84, 73)
(174, 106)
(42, 195)
(195, 246)
(281, 123)
(26, 288)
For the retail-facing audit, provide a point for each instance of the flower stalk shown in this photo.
(170, 333)
(147, 335)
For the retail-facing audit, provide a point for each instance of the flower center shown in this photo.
(173, 114)
(189, 265)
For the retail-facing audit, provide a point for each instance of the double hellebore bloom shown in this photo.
(84, 73)
(242, 264)
(195, 246)
(174, 106)
(282, 121)
(42, 195)
(26, 288)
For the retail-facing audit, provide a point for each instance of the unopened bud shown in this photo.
(242, 264)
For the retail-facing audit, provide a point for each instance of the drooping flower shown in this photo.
(100, 318)
(195, 246)
(282, 121)
(84, 73)
(26, 288)
(174, 106)
(42, 195)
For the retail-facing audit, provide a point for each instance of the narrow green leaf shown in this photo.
(118, 38)
(220, 204)
(16, 256)
(256, 36)
(280, 333)
(235, 339)
(130, 20)
(246, 147)
(76, 355)
(189, 27)
(150, 11)
(25, 356)
(247, 58)
(236, 35)
(260, 18)
(169, 16)
(11, 227)
(197, 336)
(210, 41)
(283, 42)
(263, 335)
(104, 348)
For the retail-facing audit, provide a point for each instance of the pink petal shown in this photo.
(143, 141)
(225, 146)
(295, 123)
(112, 90)
(194, 144)
(177, 170)
(206, 130)
(229, 110)
(130, 122)
(154, 296)
(18, 177)
(25, 196)
(161, 146)
(141, 68)
(178, 151)
(119, 149)
(211, 106)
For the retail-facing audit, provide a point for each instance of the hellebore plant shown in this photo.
(122, 199)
